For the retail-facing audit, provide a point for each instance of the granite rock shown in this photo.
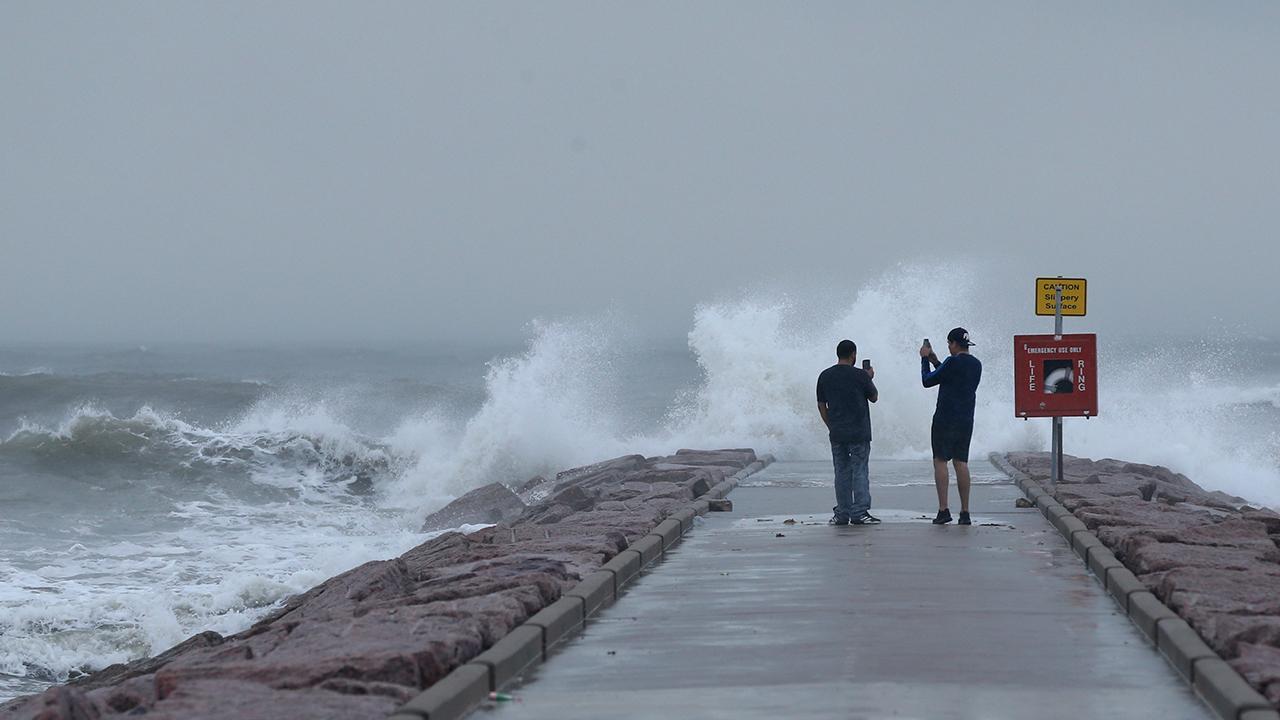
(492, 503)
(1260, 665)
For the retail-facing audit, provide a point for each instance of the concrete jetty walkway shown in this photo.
(902, 620)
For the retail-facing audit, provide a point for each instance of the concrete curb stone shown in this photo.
(723, 489)
(1050, 507)
(649, 547)
(1225, 691)
(624, 566)
(517, 650)
(1083, 542)
(1182, 646)
(1048, 504)
(452, 697)
(1056, 514)
(558, 620)
(685, 517)
(596, 590)
(1146, 611)
(1122, 583)
(702, 507)
(1005, 467)
(1101, 561)
(1069, 525)
(669, 530)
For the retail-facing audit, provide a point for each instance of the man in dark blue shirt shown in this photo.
(957, 379)
(843, 393)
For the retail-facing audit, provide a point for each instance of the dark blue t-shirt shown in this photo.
(958, 377)
(845, 389)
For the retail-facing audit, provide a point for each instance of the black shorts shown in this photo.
(951, 442)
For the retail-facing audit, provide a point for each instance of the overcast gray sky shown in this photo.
(248, 171)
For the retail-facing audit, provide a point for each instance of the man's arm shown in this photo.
(872, 393)
(822, 403)
(929, 379)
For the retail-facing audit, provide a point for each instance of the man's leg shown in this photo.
(941, 454)
(962, 483)
(940, 481)
(844, 480)
(861, 479)
(960, 456)
(938, 441)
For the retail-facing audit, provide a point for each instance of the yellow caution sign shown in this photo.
(1074, 295)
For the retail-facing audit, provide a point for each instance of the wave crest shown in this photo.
(262, 444)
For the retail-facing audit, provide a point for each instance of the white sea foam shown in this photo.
(86, 608)
(27, 373)
(547, 409)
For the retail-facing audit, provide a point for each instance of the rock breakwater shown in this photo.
(1210, 557)
(364, 642)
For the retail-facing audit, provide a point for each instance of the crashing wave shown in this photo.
(149, 437)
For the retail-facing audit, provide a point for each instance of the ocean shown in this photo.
(151, 492)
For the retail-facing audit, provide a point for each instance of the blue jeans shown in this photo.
(853, 484)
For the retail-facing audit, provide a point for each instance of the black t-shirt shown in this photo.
(845, 389)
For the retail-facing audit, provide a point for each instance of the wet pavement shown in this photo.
(753, 616)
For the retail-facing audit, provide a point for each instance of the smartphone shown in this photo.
(926, 343)
(866, 364)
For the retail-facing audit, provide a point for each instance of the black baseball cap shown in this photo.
(960, 336)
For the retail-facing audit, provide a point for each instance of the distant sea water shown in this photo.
(149, 493)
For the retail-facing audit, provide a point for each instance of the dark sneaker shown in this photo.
(865, 519)
(837, 520)
(944, 517)
(964, 518)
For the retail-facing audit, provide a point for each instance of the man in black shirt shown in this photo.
(843, 393)
(957, 377)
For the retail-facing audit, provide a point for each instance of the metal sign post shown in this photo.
(1055, 460)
